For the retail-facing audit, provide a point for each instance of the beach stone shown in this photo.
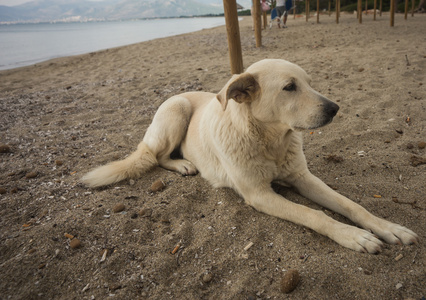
(410, 146)
(145, 212)
(207, 277)
(157, 185)
(4, 148)
(31, 175)
(3, 191)
(31, 251)
(368, 272)
(421, 145)
(59, 162)
(290, 281)
(75, 243)
(118, 208)
(417, 160)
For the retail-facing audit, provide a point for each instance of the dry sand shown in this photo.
(65, 116)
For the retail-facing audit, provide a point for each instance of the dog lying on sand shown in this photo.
(247, 136)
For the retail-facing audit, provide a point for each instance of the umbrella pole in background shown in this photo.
(233, 31)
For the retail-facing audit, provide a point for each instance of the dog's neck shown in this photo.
(254, 135)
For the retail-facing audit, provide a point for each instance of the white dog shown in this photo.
(247, 136)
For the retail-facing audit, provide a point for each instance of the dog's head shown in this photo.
(279, 91)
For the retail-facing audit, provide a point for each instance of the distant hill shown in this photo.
(81, 10)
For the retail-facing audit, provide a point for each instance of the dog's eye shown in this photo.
(290, 87)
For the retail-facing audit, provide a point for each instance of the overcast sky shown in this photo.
(13, 2)
(18, 2)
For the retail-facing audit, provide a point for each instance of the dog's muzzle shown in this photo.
(329, 110)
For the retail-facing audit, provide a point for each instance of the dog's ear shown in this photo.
(241, 88)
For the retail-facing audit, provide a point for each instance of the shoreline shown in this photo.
(102, 44)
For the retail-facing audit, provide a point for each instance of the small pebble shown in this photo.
(398, 286)
(417, 160)
(367, 272)
(31, 175)
(399, 257)
(207, 277)
(290, 281)
(334, 158)
(69, 236)
(3, 191)
(31, 251)
(145, 212)
(59, 162)
(410, 146)
(4, 148)
(421, 145)
(75, 243)
(157, 185)
(118, 208)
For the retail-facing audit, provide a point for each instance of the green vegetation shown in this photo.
(245, 12)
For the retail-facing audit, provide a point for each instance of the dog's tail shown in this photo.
(132, 166)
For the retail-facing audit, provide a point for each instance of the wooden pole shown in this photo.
(233, 31)
(329, 7)
(406, 9)
(375, 7)
(307, 10)
(294, 10)
(257, 23)
(392, 13)
(360, 11)
(380, 9)
(265, 19)
(318, 11)
(337, 11)
(412, 7)
(366, 7)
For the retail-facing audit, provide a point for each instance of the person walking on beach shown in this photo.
(283, 6)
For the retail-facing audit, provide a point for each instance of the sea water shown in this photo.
(27, 44)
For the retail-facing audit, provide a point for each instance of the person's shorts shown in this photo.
(281, 11)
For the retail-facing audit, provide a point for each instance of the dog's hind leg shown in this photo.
(167, 131)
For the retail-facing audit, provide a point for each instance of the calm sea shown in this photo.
(27, 44)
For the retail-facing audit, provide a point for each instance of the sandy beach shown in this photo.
(61, 118)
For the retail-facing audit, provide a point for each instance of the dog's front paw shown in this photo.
(395, 234)
(358, 239)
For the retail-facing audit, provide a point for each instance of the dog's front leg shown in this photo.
(267, 201)
(313, 188)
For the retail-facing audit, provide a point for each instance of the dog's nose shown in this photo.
(331, 109)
